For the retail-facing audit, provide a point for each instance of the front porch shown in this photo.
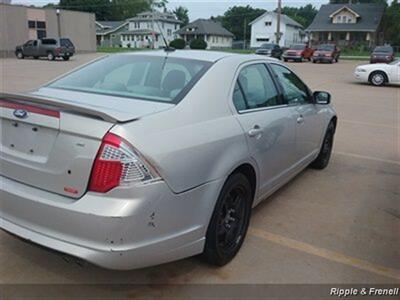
(344, 38)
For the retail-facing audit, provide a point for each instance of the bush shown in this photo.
(198, 44)
(178, 44)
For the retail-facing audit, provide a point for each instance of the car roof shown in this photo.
(211, 56)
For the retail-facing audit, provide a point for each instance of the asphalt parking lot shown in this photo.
(339, 225)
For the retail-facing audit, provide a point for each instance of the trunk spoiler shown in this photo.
(58, 104)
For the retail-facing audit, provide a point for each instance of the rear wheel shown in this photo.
(324, 155)
(377, 78)
(65, 57)
(50, 56)
(20, 55)
(229, 222)
(36, 57)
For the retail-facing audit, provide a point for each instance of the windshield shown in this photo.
(153, 78)
(383, 49)
(325, 48)
(267, 46)
(395, 62)
(297, 47)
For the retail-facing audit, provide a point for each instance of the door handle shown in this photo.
(256, 131)
(300, 119)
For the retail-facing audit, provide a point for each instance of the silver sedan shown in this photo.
(139, 159)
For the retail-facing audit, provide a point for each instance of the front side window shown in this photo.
(294, 90)
(255, 89)
(151, 78)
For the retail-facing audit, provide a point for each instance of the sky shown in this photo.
(207, 8)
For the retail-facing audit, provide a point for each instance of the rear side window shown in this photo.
(66, 43)
(255, 89)
(49, 42)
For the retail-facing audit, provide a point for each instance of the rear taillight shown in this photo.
(118, 163)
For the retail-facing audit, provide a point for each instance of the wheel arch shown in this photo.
(378, 71)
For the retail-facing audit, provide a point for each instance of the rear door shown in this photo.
(268, 123)
(309, 122)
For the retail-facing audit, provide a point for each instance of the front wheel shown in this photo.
(377, 78)
(230, 220)
(65, 57)
(325, 152)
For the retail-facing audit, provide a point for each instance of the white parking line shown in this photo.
(389, 161)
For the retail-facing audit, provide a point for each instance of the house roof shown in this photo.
(107, 27)
(202, 26)
(284, 18)
(156, 16)
(370, 18)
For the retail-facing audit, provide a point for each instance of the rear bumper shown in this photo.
(151, 227)
(323, 58)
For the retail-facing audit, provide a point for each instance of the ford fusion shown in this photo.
(139, 159)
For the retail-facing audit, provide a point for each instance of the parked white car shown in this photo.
(379, 74)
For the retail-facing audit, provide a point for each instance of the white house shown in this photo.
(213, 33)
(263, 30)
(146, 28)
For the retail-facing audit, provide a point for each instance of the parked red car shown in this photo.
(326, 53)
(298, 52)
(382, 54)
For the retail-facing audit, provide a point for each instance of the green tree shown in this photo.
(358, 1)
(303, 15)
(101, 8)
(124, 9)
(182, 14)
(237, 18)
(391, 23)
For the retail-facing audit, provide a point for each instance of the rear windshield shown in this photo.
(153, 78)
(326, 48)
(298, 47)
(384, 49)
(267, 46)
(66, 43)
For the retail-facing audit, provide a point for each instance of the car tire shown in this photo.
(314, 61)
(50, 56)
(36, 57)
(325, 152)
(230, 221)
(285, 60)
(65, 58)
(20, 55)
(378, 78)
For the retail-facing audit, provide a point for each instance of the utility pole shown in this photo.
(278, 24)
(244, 33)
(153, 42)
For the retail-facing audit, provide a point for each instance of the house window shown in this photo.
(41, 34)
(40, 25)
(349, 20)
(31, 24)
(169, 32)
(268, 23)
(339, 19)
(344, 19)
(163, 25)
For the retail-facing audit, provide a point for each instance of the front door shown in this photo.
(308, 119)
(268, 123)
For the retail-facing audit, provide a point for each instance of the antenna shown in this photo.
(167, 47)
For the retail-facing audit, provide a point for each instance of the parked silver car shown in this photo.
(143, 158)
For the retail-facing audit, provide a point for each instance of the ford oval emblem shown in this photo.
(20, 113)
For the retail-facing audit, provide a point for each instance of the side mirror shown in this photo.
(323, 98)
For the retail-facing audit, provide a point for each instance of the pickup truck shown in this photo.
(46, 47)
(326, 53)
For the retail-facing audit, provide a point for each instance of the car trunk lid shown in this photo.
(51, 143)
